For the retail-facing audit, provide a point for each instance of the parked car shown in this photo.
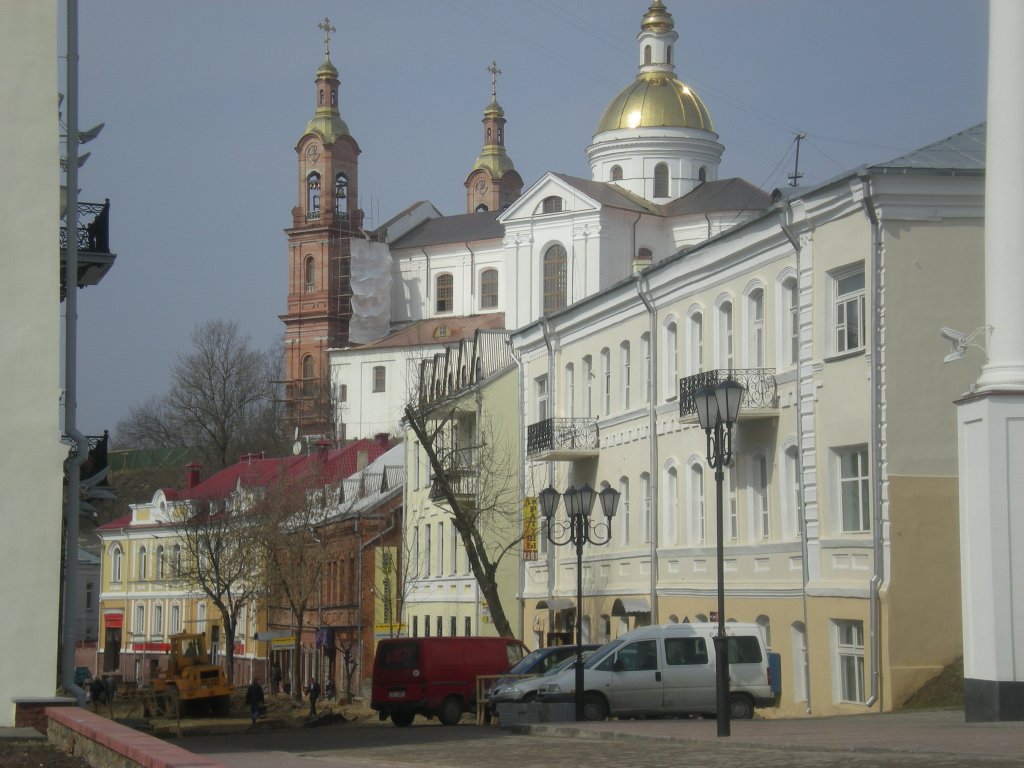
(511, 689)
(669, 669)
(436, 676)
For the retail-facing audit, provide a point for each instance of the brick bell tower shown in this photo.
(493, 184)
(319, 256)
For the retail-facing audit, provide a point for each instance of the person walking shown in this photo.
(254, 698)
(313, 691)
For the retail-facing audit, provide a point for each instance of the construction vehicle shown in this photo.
(190, 680)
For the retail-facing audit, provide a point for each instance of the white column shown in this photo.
(991, 419)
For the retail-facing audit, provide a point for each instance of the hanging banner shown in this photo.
(530, 528)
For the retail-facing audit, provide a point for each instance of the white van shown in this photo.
(669, 669)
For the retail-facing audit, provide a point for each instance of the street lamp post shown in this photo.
(579, 503)
(718, 408)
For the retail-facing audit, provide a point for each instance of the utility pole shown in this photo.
(796, 175)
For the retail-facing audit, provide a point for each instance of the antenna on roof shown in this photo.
(796, 175)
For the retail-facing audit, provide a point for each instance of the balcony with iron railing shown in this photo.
(760, 396)
(562, 439)
(93, 240)
(462, 474)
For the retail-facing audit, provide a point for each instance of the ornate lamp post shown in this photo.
(718, 408)
(579, 503)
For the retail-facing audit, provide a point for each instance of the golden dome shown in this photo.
(329, 127)
(495, 161)
(656, 100)
(658, 18)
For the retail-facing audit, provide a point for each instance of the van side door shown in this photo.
(689, 679)
(635, 684)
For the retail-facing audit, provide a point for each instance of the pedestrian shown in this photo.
(275, 673)
(254, 698)
(313, 691)
(97, 692)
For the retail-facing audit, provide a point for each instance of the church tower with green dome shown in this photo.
(656, 138)
(493, 183)
(324, 220)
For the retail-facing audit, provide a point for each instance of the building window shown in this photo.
(570, 390)
(588, 389)
(142, 563)
(313, 195)
(854, 491)
(645, 256)
(661, 180)
(426, 625)
(698, 513)
(440, 549)
(606, 381)
(762, 512)
(428, 553)
(160, 562)
(453, 626)
(140, 620)
(340, 192)
(415, 626)
(379, 378)
(849, 310)
(756, 340)
(89, 588)
(445, 293)
(468, 626)
(696, 358)
(624, 374)
(647, 54)
(791, 494)
(555, 279)
(440, 626)
(798, 642)
(416, 551)
(849, 660)
(616, 173)
(309, 272)
(765, 624)
(551, 204)
(201, 619)
(115, 563)
(307, 376)
(671, 511)
(626, 524)
(702, 174)
(645, 506)
(175, 619)
(671, 360)
(158, 620)
(733, 533)
(725, 339)
(645, 369)
(540, 391)
(343, 393)
(792, 321)
(489, 289)
(176, 561)
(454, 568)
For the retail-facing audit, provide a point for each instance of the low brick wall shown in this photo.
(105, 744)
(31, 713)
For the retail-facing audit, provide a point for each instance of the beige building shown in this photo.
(840, 507)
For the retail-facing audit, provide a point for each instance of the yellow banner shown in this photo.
(530, 528)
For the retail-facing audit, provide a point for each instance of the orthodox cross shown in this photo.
(325, 25)
(493, 69)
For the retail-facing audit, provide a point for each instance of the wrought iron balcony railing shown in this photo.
(758, 383)
(461, 473)
(562, 436)
(93, 228)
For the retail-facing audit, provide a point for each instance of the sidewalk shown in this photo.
(939, 732)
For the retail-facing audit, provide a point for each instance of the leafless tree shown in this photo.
(292, 549)
(221, 560)
(477, 481)
(221, 400)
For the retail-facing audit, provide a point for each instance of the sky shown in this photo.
(204, 101)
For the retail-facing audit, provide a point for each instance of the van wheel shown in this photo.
(402, 719)
(740, 707)
(450, 712)
(594, 707)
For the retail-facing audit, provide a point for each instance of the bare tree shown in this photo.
(292, 549)
(478, 484)
(221, 400)
(220, 559)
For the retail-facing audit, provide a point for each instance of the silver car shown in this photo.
(525, 688)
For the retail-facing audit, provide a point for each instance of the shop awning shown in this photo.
(556, 604)
(630, 606)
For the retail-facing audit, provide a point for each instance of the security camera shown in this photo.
(952, 335)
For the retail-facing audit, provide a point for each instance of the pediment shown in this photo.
(530, 204)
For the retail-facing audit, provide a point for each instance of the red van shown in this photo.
(436, 675)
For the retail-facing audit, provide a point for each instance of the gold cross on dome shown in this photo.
(493, 69)
(325, 25)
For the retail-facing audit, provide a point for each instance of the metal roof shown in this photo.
(466, 227)
(964, 151)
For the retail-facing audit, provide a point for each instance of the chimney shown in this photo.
(192, 471)
(383, 439)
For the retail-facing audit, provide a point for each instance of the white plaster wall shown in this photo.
(30, 494)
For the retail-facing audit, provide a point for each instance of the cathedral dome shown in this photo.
(656, 100)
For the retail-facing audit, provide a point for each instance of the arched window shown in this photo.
(702, 174)
(766, 626)
(340, 192)
(668, 53)
(698, 516)
(445, 294)
(482, 208)
(321, 97)
(790, 321)
(176, 561)
(158, 619)
(334, 97)
(313, 196)
(755, 343)
(551, 204)
(790, 492)
(661, 180)
(606, 381)
(115, 563)
(555, 272)
(616, 173)
(308, 374)
(624, 375)
(160, 563)
(309, 272)
(646, 508)
(569, 382)
(489, 289)
(671, 382)
(140, 620)
(142, 563)
(696, 343)
(725, 341)
(588, 387)
(670, 495)
(625, 523)
(647, 54)
(644, 254)
(762, 514)
(645, 367)
(175, 619)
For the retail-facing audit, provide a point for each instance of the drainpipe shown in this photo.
(708, 220)
(427, 280)
(785, 217)
(643, 289)
(73, 463)
(878, 576)
(472, 275)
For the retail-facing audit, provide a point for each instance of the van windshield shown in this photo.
(600, 655)
(398, 655)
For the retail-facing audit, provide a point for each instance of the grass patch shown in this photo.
(946, 689)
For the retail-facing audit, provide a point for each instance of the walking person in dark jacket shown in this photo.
(254, 698)
(313, 691)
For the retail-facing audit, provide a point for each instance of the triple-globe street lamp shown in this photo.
(718, 408)
(579, 530)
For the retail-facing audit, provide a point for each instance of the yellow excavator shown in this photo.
(190, 679)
